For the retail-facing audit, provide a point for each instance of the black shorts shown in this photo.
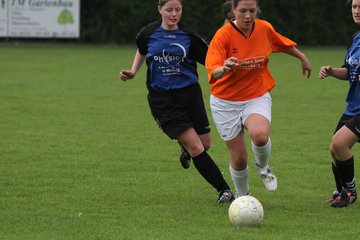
(178, 110)
(352, 122)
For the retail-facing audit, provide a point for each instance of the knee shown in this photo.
(260, 139)
(195, 149)
(336, 147)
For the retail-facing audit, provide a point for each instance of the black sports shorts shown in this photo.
(352, 122)
(178, 110)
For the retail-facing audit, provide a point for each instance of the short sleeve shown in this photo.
(278, 42)
(141, 42)
(217, 52)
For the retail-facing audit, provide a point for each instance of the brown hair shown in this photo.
(235, 2)
(227, 8)
(227, 11)
(163, 2)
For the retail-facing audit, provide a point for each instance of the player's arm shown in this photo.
(137, 63)
(329, 71)
(217, 63)
(305, 63)
(229, 65)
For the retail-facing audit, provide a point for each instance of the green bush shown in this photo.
(307, 22)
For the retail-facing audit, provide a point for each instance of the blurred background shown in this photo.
(308, 22)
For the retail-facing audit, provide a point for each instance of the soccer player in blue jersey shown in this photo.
(347, 131)
(171, 50)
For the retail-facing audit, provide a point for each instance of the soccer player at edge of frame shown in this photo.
(347, 131)
(171, 50)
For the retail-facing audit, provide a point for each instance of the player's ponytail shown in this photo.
(227, 11)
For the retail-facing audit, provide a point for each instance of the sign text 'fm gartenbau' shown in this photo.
(40, 18)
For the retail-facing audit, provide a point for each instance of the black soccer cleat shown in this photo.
(225, 196)
(185, 157)
(344, 199)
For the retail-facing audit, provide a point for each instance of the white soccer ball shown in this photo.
(246, 211)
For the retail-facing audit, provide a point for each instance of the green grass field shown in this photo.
(81, 157)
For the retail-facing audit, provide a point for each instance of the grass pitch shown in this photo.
(82, 158)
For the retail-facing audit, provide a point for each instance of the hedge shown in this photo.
(308, 22)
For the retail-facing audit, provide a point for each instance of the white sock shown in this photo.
(240, 180)
(262, 155)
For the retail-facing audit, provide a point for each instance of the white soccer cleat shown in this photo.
(269, 179)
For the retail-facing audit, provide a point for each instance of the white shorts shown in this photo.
(230, 116)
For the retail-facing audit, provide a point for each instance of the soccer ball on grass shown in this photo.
(246, 211)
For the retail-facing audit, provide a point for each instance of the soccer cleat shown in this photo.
(344, 199)
(334, 196)
(269, 179)
(352, 197)
(225, 196)
(185, 157)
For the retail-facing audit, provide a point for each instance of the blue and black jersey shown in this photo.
(171, 56)
(352, 63)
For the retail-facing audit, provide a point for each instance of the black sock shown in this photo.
(337, 178)
(210, 171)
(346, 170)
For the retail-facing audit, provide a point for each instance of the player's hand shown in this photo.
(325, 71)
(230, 64)
(306, 67)
(126, 75)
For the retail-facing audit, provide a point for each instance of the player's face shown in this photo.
(355, 9)
(245, 13)
(171, 14)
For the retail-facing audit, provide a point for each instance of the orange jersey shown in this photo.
(252, 77)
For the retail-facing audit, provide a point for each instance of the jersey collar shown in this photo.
(241, 32)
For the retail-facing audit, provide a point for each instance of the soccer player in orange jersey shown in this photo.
(237, 66)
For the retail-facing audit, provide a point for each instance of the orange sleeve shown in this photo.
(216, 54)
(279, 43)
